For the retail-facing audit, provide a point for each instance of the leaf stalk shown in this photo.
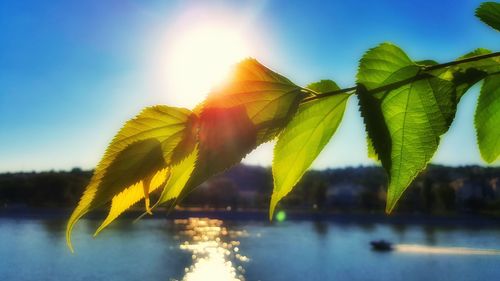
(421, 75)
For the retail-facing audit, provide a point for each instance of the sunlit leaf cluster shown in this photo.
(406, 105)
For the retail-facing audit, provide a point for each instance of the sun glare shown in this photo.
(200, 58)
(214, 249)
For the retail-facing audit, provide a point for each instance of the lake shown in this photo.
(211, 249)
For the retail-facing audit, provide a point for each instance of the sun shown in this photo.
(200, 58)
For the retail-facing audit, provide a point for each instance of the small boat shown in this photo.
(381, 245)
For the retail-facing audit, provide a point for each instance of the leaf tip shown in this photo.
(68, 243)
(79, 212)
(69, 229)
(392, 200)
(389, 207)
(100, 228)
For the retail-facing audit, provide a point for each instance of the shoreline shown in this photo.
(457, 220)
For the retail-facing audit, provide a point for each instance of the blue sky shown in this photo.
(71, 72)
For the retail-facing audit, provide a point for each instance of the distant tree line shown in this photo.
(440, 190)
(43, 189)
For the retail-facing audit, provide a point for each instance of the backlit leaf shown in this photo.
(383, 65)
(304, 138)
(489, 13)
(466, 75)
(487, 65)
(404, 123)
(132, 195)
(250, 109)
(145, 146)
(179, 176)
(487, 119)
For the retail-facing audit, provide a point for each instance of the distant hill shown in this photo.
(440, 190)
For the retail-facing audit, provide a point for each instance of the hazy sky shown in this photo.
(71, 72)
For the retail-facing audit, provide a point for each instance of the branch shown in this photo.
(398, 84)
(457, 62)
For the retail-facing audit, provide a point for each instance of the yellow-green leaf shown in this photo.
(145, 145)
(131, 195)
(250, 109)
(304, 138)
(487, 119)
(179, 176)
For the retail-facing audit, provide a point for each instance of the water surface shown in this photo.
(210, 249)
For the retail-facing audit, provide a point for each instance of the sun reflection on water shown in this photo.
(214, 249)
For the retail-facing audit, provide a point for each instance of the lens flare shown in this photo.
(281, 216)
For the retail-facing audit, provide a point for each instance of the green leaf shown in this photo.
(136, 158)
(426, 62)
(250, 109)
(405, 123)
(380, 65)
(487, 119)
(383, 65)
(304, 138)
(466, 75)
(488, 65)
(489, 13)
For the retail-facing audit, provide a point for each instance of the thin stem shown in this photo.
(456, 62)
(327, 94)
(421, 75)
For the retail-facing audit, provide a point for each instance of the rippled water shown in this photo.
(210, 249)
